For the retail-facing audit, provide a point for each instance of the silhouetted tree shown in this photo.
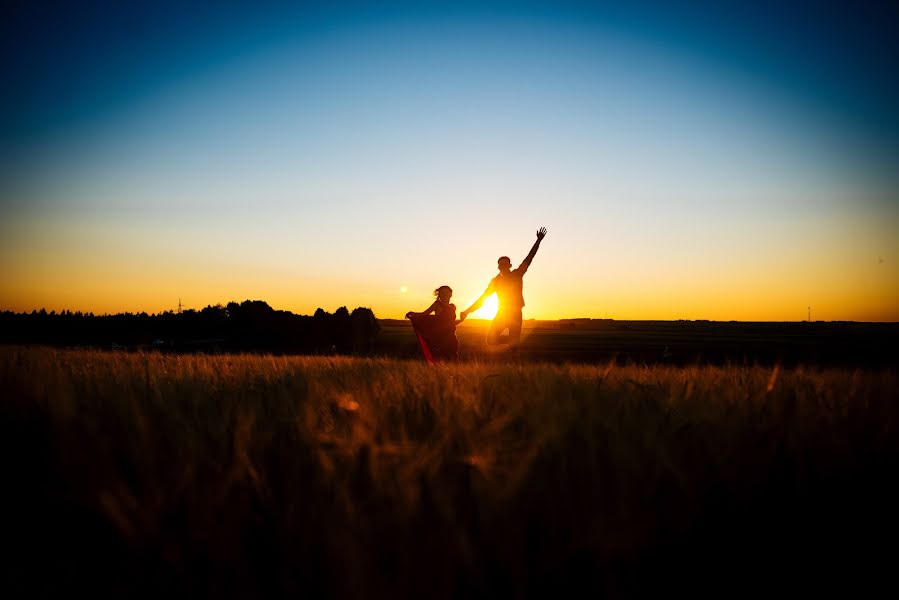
(252, 325)
(365, 328)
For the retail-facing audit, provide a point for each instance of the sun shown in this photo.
(488, 308)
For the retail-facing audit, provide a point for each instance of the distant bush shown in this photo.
(251, 325)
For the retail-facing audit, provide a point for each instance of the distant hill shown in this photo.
(681, 342)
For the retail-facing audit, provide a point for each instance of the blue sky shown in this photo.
(312, 154)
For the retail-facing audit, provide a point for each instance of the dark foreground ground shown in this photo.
(846, 344)
(147, 474)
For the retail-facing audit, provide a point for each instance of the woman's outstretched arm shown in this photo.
(427, 311)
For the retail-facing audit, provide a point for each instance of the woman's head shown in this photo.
(444, 293)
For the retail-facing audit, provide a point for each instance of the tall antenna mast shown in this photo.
(179, 306)
(809, 314)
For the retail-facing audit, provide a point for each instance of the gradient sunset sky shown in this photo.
(729, 161)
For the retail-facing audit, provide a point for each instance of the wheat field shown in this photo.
(143, 474)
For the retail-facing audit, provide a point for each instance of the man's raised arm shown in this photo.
(541, 233)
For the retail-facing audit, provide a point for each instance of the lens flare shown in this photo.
(488, 309)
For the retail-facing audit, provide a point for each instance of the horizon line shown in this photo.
(478, 319)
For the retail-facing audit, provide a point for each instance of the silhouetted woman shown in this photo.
(435, 327)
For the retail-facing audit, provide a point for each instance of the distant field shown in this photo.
(675, 342)
(145, 474)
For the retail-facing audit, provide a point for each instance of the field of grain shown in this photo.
(142, 474)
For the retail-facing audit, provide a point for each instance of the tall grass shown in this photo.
(259, 476)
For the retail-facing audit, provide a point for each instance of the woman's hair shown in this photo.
(443, 287)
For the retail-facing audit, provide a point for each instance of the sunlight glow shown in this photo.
(488, 309)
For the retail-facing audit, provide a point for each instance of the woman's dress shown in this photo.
(437, 333)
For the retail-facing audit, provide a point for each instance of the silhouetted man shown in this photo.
(508, 289)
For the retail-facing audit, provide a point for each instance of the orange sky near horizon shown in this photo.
(105, 272)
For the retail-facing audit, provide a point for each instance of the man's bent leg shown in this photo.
(515, 321)
(494, 332)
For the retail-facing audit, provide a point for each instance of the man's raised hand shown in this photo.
(541, 233)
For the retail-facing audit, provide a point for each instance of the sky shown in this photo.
(728, 161)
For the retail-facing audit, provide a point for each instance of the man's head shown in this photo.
(504, 264)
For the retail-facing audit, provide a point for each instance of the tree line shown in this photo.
(250, 326)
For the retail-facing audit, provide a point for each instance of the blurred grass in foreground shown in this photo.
(252, 476)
